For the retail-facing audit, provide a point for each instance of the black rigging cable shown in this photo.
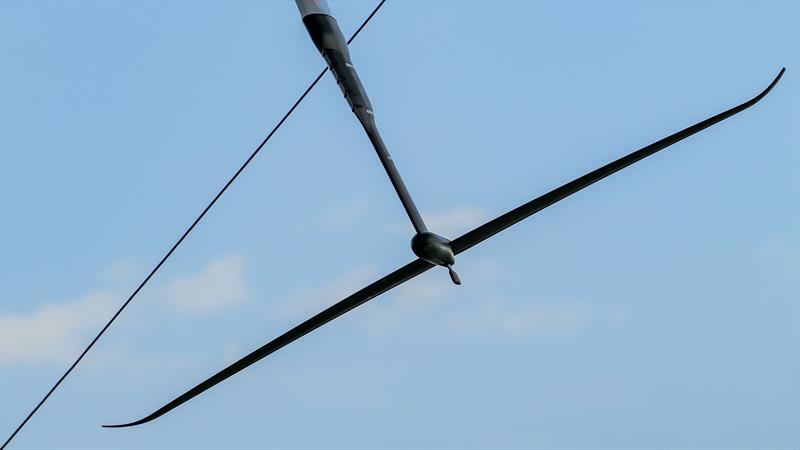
(185, 233)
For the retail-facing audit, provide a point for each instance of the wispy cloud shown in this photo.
(56, 332)
(449, 223)
(780, 253)
(120, 272)
(311, 300)
(219, 286)
(433, 295)
(455, 221)
(519, 321)
(405, 302)
(53, 333)
(409, 300)
(400, 304)
(344, 216)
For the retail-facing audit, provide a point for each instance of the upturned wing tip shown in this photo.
(780, 74)
(125, 425)
(772, 85)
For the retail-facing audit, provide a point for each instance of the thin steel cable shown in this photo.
(185, 233)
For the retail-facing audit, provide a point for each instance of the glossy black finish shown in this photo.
(458, 245)
(436, 250)
(397, 277)
(433, 248)
(330, 42)
(499, 224)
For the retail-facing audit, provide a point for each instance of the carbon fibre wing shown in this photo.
(459, 245)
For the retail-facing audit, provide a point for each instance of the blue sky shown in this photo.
(659, 308)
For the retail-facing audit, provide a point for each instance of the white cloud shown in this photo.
(780, 254)
(383, 313)
(311, 300)
(120, 272)
(220, 285)
(56, 333)
(455, 221)
(493, 317)
(53, 333)
(449, 223)
(408, 300)
(432, 294)
(344, 216)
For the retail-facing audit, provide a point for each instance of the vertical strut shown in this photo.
(330, 42)
(367, 120)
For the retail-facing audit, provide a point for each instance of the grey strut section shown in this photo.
(308, 7)
(330, 42)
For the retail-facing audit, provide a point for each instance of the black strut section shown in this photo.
(330, 42)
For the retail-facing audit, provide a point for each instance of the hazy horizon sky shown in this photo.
(659, 308)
